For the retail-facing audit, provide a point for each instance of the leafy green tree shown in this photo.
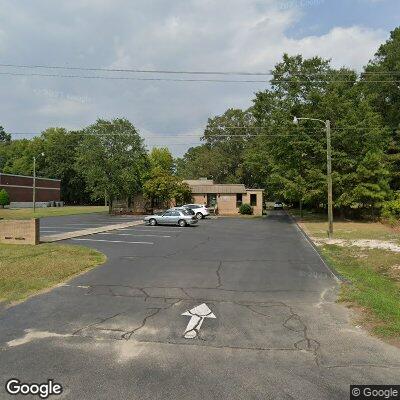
(222, 156)
(4, 198)
(161, 159)
(60, 149)
(381, 81)
(165, 187)
(4, 137)
(112, 159)
(296, 156)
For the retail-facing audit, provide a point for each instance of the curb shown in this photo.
(86, 232)
(328, 265)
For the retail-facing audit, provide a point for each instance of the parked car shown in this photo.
(189, 210)
(172, 217)
(278, 205)
(200, 210)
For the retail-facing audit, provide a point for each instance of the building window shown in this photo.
(239, 199)
(253, 199)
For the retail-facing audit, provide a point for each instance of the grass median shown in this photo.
(27, 270)
(27, 213)
(361, 256)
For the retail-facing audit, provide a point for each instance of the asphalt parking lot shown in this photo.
(69, 223)
(229, 309)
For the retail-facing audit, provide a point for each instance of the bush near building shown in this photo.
(245, 209)
(4, 198)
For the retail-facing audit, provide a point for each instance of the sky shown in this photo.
(200, 35)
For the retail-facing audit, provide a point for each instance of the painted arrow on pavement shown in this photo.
(197, 315)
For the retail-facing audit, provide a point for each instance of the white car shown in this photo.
(200, 210)
(278, 205)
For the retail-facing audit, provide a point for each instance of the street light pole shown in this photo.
(34, 184)
(327, 124)
(329, 177)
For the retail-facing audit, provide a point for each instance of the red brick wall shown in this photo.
(43, 191)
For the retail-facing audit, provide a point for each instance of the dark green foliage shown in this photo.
(391, 209)
(380, 81)
(4, 198)
(245, 209)
(112, 159)
(289, 160)
(4, 137)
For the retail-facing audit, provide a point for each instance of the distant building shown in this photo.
(20, 190)
(226, 198)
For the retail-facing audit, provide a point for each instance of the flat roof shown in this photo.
(218, 188)
(27, 176)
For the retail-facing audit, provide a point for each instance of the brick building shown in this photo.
(20, 190)
(227, 198)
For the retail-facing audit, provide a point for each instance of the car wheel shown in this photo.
(182, 223)
(199, 215)
(153, 222)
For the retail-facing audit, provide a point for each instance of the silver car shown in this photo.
(172, 217)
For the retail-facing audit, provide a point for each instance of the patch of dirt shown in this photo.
(394, 272)
(363, 243)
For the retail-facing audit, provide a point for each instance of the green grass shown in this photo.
(317, 226)
(373, 284)
(26, 270)
(27, 213)
(374, 274)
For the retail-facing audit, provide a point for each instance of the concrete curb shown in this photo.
(330, 268)
(86, 232)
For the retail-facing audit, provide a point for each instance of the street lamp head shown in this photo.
(295, 121)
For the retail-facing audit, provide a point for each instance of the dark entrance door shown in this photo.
(211, 200)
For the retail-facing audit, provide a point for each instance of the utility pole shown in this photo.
(34, 185)
(34, 182)
(327, 124)
(329, 176)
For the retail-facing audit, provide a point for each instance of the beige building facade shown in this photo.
(226, 198)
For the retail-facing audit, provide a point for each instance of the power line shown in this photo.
(101, 77)
(187, 72)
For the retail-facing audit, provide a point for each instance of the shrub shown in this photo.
(391, 209)
(245, 209)
(4, 198)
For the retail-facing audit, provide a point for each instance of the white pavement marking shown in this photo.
(131, 234)
(145, 230)
(113, 241)
(197, 315)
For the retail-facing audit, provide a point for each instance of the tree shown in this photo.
(163, 187)
(381, 81)
(161, 159)
(221, 157)
(112, 159)
(60, 149)
(4, 137)
(4, 198)
(296, 156)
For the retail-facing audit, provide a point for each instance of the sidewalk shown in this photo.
(86, 232)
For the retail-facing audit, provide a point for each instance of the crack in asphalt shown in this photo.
(143, 288)
(218, 272)
(312, 345)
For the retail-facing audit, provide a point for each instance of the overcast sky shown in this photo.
(216, 35)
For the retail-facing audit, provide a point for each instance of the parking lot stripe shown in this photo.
(112, 241)
(146, 230)
(131, 234)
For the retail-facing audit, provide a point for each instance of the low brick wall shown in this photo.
(20, 231)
